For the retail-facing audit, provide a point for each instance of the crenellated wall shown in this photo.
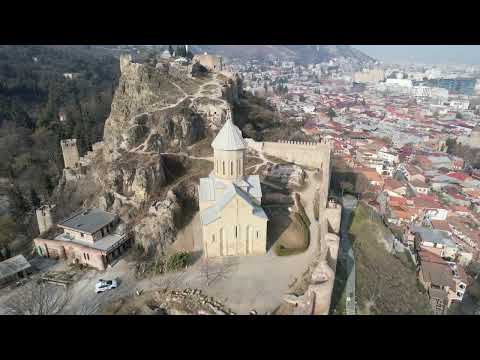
(310, 154)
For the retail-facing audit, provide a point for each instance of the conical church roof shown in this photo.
(229, 138)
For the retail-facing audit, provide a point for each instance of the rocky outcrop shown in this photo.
(158, 230)
(288, 174)
(135, 176)
(155, 109)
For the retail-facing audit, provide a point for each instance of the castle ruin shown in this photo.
(45, 217)
(210, 62)
(71, 157)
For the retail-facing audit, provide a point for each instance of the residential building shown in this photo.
(91, 236)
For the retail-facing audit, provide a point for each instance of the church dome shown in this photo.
(229, 138)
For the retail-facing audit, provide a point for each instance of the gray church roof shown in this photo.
(229, 138)
(213, 213)
(249, 184)
(206, 190)
(88, 221)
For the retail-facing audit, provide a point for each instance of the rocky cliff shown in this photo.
(155, 111)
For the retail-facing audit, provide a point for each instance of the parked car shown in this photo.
(105, 285)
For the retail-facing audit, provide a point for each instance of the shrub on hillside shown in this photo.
(178, 261)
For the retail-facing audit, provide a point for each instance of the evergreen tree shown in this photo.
(18, 203)
(189, 55)
(49, 185)
(331, 113)
(7, 235)
(34, 199)
(181, 51)
(170, 50)
(50, 110)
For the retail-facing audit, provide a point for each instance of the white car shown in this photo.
(104, 285)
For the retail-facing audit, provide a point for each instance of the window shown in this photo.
(82, 235)
(213, 238)
(223, 165)
(231, 168)
(257, 234)
(236, 232)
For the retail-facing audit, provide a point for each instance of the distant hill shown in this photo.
(303, 54)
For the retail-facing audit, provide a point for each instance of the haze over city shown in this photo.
(430, 54)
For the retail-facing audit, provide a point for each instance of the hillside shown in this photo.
(386, 282)
(33, 93)
(141, 169)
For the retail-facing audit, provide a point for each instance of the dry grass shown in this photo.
(202, 148)
(252, 161)
(386, 283)
(288, 233)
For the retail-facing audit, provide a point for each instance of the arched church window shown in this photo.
(223, 165)
(231, 168)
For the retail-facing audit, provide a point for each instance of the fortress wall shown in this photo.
(71, 156)
(334, 216)
(309, 154)
(302, 153)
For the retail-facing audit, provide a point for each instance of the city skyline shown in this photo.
(433, 54)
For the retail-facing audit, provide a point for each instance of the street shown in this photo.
(349, 205)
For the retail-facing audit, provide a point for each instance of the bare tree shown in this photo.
(213, 271)
(374, 290)
(169, 281)
(37, 299)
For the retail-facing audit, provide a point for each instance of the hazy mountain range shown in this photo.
(306, 54)
(428, 54)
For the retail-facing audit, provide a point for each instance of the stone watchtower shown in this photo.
(45, 217)
(71, 158)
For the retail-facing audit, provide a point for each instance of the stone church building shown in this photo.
(232, 218)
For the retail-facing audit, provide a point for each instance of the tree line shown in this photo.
(39, 106)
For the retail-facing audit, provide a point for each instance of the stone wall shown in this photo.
(45, 217)
(309, 154)
(210, 62)
(71, 157)
(333, 213)
(70, 251)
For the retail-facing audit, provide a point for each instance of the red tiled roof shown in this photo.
(458, 175)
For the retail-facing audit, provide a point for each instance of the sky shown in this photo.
(430, 54)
